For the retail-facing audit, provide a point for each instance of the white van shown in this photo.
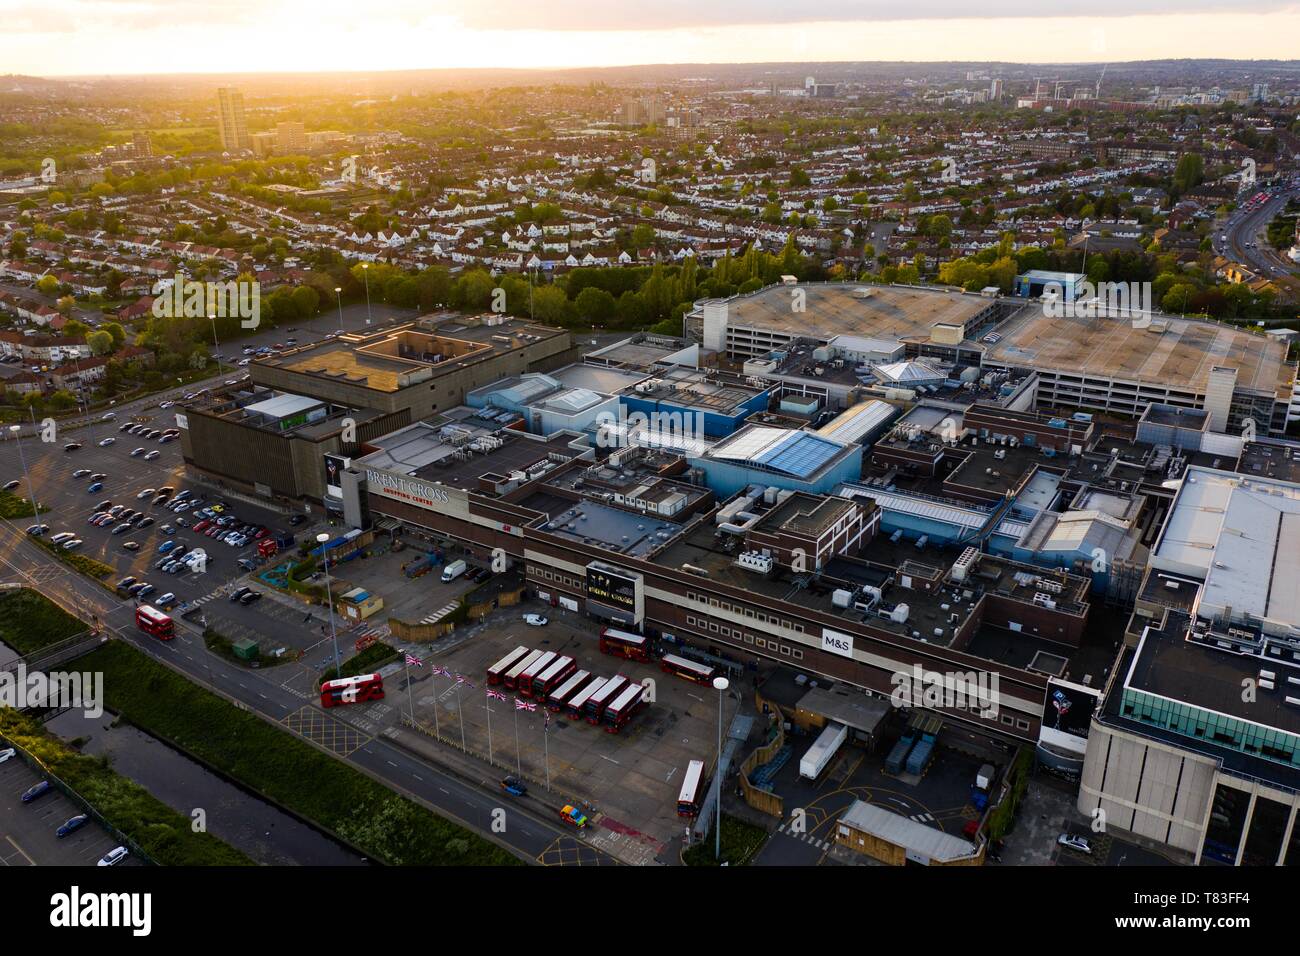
(452, 571)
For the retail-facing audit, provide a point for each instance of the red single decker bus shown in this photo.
(629, 701)
(352, 690)
(154, 622)
(602, 698)
(551, 678)
(686, 669)
(634, 647)
(560, 696)
(498, 670)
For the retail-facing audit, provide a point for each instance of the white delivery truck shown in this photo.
(452, 571)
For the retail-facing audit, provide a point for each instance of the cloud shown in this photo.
(571, 15)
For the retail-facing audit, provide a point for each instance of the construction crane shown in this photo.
(1097, 95)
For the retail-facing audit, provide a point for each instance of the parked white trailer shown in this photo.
(820, 753)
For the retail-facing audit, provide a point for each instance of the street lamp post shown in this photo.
(216, 346)
(720, 684)
(338, 294)
(365, 275)
(16, 431)
(329, 596)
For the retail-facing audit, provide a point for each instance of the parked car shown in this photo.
(1074, 842)
(7, 753)
(97, 486)
(130, 545)
(513, 786)
(152, 455)
(11, 485)
(250, 597)
(167, 600)
(36, 530)
(71, 545)
(536, 620)
(137, 452)
(40, 790)
(72, 825)
(72, 446)
(105, 442)
(81, 473)
(114, 856)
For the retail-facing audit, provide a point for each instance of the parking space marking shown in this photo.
(30, 861)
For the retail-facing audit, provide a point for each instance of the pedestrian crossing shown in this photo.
(804, 837)
(377, 631)
(439, 614)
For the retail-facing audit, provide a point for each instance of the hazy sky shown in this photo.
(79, 37)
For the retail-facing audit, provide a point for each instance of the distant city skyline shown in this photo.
(109, 37)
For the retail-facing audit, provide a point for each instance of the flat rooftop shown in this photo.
(397, 357)
(1270, 459)
(1102, 347)
(1171, 666)
(438, 450)
(697, 391)
(883, 312)
(1241, 535)
(621, 532)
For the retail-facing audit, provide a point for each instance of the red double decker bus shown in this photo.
(575, 705)
(558, 697)
(634, 647)
(629, 701)
(551, 678)
(533, 671)
(511, 677)
(595, 706)
(686, 669)
(352, 690)
(154, 622)
(498, 670)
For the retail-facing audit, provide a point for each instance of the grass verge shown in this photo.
(162, 833)
(29, 621)
(385, 825)
(740, 842)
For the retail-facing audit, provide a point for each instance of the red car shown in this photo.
(203, 525)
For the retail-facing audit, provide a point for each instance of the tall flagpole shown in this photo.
(546, 745)
(406, 672)
(519, 766)
(487, 705)
(460, 713)
(433, 676)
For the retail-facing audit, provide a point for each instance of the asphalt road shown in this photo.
(1249, 228)
(528, 835)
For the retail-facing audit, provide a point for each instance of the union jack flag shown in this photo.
(462, 679)
(524, 705)
(496, 695)
(413, 661)
(441, 671)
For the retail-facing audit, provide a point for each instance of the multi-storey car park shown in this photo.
(1108, 362)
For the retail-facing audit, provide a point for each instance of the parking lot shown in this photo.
(71, 503)
(28, 830)
(631, 778)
